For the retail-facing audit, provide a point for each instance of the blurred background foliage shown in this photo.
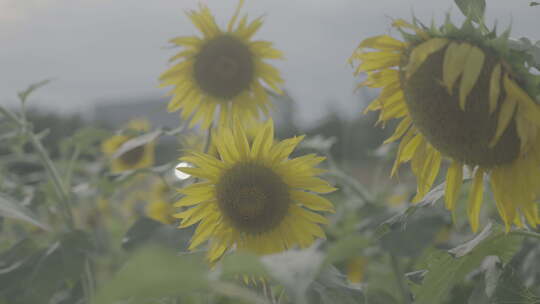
(123, 246)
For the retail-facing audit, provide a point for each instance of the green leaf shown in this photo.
(473, 9)
(468, 246)
(295, 269)
(242, 263)
(86, 138)
(146, 230)
(140, 232)
(11, 209)
(525, 45)
(23, 95)
(331, 287)
(59, 266)
(345, 248)
(510, 289)
(399, 221)
(155, 273)
(445, 270)
(534, 3)
(16, 264)
(137, 142)
(414, 237)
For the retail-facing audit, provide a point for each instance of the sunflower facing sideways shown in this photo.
(223, 70)
(463, 95)
(136, 158)
(252, 196)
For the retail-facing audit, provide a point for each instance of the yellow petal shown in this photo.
(197, 188)
(410, 148)
(204, 230)
(422, 52)
(312, 201)
(400, 23)
(494, 87)
(252, 28)
(201, 211)
(230, 25)
(186, 41)
(400, 130)
(383, 42)
(530, 108)
(473, 67)
(499, 180)
(454, 179)
(505, 116)
(404, 141)
(526, 131)
(284, 148)
(379, 64)
(308, 215)
(454, 64)
(190, 200)
(396, 111)
(263, 141)
(429, 173)
(476, 199)
(381, 79)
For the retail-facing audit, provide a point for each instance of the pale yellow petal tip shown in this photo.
(178, 215)
(331, 189)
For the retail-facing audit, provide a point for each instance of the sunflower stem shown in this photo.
(399, 279)
(526, 233)
(335, 171)
(88, 281)
(353, 184)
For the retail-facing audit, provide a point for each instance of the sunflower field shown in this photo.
(431, 196)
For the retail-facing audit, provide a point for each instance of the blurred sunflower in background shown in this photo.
(159, 207)
(223, 70)
(252, 196)
(356, 269)
(462, 94)
(139, 157)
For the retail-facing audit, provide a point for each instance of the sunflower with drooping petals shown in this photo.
(223, 70)
(139, 157)
(463, 95)
(252, 196)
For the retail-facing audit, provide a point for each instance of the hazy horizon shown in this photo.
(98, 51)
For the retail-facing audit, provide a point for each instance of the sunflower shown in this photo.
(139, 157)
(252, 196)
(462, 95)
(222, 70)
(159, 207)
(356, 269)
(160, 211)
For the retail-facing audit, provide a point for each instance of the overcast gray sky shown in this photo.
(101, 50)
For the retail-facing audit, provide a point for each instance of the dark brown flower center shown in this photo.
(461, 135)
(253, 198)
(133, 156)
(224, 67)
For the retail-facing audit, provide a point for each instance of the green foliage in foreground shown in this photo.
(61, 254)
